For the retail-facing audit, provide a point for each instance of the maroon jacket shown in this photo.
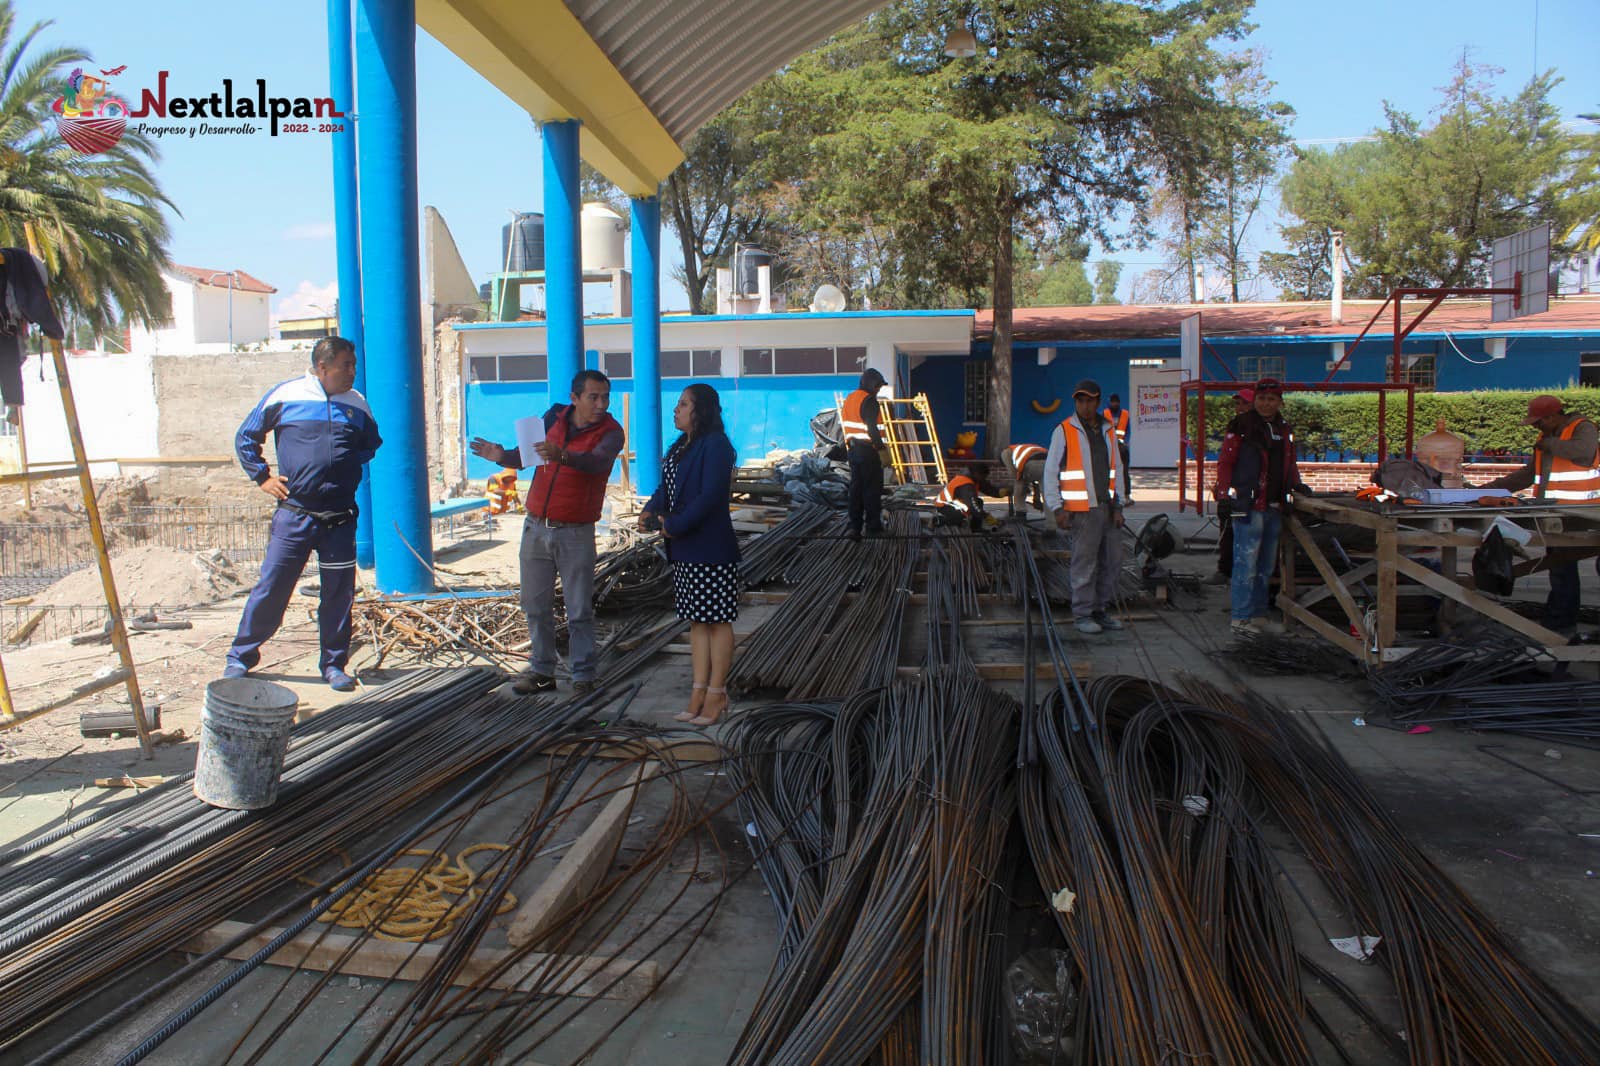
(1242, 467)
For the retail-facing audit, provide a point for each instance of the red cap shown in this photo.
(1541, 407)
(1248, 395)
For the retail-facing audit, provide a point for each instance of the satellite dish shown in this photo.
(828, 298)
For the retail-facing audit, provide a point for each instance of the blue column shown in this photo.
(342, 87)
(391, 289)
(563, 262)
(646, 428)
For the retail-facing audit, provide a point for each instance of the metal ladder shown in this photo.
(125, 673)
(909, 434)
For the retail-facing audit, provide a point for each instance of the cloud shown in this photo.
(309, 231)
(308, 301)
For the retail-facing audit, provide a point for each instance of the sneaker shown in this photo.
(1107, 622)
(855, 534)
(528, 682)
(1088, 625)
(338, 680)
(1219, 578)
(1242, 629)
(1267, 625)
(582, 688)
(235, 670)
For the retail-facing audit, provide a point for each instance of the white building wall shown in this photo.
(251, 321)
(178, 335)
(116, 400)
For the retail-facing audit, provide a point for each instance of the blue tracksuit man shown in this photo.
(322, 443)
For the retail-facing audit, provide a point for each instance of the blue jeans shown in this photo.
(546, 552)
(1255, 550)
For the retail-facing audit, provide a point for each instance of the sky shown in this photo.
(264, 204)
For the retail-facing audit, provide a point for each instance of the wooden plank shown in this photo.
(383, 959)
(581, 868)
(1348, 578)
(1477, 601)
(1388, 579)
(1329, 579)
(1337, 512)
(1322, 628)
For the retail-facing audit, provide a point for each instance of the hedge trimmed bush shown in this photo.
(1326, 424)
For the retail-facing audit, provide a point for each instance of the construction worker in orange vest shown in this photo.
(1025, 463)
(863, 440)
(1080, 488)
(1117, 415)
(959, 502)
(1565, 469)
(502, 491)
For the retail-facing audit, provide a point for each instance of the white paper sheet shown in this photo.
(530, 431)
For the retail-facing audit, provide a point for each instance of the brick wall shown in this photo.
(1349, 477)
(200, 401)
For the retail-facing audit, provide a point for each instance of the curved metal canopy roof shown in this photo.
(641, 75)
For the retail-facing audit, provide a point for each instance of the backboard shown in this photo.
(1522, 261)
(1189, 348)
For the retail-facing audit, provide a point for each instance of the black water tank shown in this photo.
(522, 243)
(745, 263)
(486, 291)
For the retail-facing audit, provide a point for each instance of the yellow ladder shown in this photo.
(124, 674)
(909, 434)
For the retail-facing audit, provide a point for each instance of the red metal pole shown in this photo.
(1183, 445)
(1200, 458)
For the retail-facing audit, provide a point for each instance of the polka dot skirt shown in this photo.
(701, 592)
(706, 592)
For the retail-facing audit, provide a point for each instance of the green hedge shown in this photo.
(1491, 421)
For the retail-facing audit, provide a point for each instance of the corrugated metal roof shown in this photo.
(689, 59)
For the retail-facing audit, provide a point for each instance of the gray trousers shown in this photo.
(1096, 561)
(569, 551)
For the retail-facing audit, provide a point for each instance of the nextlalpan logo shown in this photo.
(91, 121)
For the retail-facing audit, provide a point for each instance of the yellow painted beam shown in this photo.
(539, 55)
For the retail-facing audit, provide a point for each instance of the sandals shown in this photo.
(708, 720)
(694, 707)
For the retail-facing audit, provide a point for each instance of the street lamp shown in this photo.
(213, 276)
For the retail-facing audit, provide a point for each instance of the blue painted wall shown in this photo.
(760, 413)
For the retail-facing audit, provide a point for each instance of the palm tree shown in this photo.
(97, 221)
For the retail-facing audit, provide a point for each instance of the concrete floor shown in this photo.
(1515, 822)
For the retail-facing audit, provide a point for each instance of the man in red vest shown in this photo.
(564, 501)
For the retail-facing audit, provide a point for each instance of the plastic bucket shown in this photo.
(244, 733)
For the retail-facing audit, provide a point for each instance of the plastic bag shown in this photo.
(1408, 477)
(1492, 564)
(1042, 1003)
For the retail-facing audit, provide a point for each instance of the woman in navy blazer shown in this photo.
(692, 504)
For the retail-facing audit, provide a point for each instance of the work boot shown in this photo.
(1239, 628)
(338, 680)
(1107, 622)
(1219, 578)
(1088, 625)
(528, 682)
(582, 688)
(1264, 624)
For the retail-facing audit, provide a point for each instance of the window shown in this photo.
(975, 394)
(1421, 371)
(1589, 369)
(1256, 367)
(850, 360)
(523, 368)
(482, 368)
(692, 363)
(616, 364)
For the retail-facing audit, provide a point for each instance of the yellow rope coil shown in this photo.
(1046, 409)
(396, 903)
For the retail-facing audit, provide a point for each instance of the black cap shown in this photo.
(872, 379)
(1086, 387)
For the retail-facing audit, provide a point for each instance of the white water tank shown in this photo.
(603, 233)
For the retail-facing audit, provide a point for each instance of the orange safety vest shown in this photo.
(1022, 454)
(1571, 482)
(947, 496)
(1074, 476)
(1121, 423)
(502, 491)
(852, 422)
